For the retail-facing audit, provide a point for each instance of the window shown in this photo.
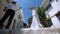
(14, 23)
(51, 0)
(19, 16)
(49, 22)
(48, 6)
(58, 15)
(56, 0)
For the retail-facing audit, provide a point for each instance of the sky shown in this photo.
(25, 5)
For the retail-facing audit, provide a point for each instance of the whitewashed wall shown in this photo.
(55, 8)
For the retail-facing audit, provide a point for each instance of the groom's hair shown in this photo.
(13, 2)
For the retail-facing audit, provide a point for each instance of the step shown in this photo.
(31, 31)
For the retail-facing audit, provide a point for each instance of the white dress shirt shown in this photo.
(11, 6)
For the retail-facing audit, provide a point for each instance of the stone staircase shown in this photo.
(31, 31)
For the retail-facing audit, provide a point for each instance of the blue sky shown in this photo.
(26, 4)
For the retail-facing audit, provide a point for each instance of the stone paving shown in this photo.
(31, 31)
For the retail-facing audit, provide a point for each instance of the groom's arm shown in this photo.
(5, 9)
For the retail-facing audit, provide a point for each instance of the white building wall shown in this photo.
(56, 8)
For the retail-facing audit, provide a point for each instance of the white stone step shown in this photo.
(31, 31)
